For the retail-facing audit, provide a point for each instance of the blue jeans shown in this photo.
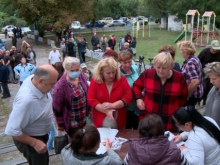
(51, 134)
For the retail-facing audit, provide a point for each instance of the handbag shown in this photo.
(60, 142)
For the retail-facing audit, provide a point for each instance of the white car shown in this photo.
(75, 25)
(9, 27)
(116, 23)
(106, 20)
(25, 30)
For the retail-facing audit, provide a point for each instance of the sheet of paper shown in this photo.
(104, 134)
(170, 137)
(107, 133)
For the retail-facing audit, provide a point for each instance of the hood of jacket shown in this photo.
(151, 151)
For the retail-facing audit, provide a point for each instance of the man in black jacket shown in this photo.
(4, 76)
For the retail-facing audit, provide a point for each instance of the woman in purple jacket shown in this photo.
(153, 147)
(70, 98)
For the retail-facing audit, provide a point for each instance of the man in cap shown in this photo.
(209, 55)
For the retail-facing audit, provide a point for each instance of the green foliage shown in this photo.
(115, 8)
(58, 12)
(5, 19)
(160, 8)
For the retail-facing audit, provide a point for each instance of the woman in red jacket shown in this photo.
(165, 89)
(109, 94)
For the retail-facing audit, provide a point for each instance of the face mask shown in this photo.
(74, 74)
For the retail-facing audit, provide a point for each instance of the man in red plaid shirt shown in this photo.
(165, 89)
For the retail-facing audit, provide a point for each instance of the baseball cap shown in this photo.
(83, 65)
(215, 45)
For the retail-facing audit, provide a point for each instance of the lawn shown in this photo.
(147, 46)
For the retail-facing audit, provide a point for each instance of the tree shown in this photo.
(114, 8)
(160, 8)
(157, 8)
(180, 7)
(58, 12)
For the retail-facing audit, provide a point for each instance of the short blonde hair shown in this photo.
(212, 68)
(187, 46)
(106, 62)
(164, 59)
(70, 61)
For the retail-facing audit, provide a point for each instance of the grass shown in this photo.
(147, 46)
(4, 110)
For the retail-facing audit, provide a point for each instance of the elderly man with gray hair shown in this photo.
(212, 71)
(54, 56)
(31, 116)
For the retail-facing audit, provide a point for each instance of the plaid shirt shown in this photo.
(162, 99)
(78, 112)
(192, 69)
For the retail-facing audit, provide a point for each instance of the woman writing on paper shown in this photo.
(202, 137)
(82, 150)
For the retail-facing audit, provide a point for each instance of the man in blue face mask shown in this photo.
(69, 98)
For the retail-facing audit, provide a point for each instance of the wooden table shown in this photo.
(127, 134)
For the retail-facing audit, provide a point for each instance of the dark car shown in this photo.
(97, 24)
(2, 45)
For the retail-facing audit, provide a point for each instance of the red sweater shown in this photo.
(98, 93)
(160, 99)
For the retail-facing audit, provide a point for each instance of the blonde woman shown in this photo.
(165, 89)
(109, 94)
(192, 71)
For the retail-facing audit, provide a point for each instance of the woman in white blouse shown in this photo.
(202, 135)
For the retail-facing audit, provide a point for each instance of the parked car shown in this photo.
(106, 20)
(97, 24)
(75, 25)
(10, 33)
(2, 44)
(116, 23)
(123, 19)
(9, 27)
(26, 30)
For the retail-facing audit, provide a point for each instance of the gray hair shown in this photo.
(70, 61)
(212, 68)
(41, 73)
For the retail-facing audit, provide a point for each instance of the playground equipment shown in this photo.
(200, 35)
(137, 22)
(194, 32)
(206, 29)
(189, 27)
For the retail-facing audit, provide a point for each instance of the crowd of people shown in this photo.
(64, 96)
(16, 66)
